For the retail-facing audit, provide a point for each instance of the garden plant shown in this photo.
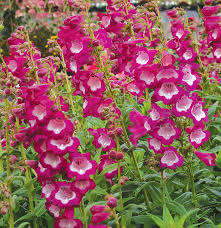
(117, 124)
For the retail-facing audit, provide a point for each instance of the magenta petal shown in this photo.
(207, 158)
(171, 159)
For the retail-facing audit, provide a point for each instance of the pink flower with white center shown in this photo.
(48, 189)
(178, 31)
(61, 146)
(144, 56)
(40, 144)
(197, 136)
(207, 158)
(167, 132)
(53, 209)
(52, 161)
(141, 126)
(81, 166)
(101, 139)
(134, 87)
(171, 159)
(68, 223)
(217, 54)
(76, 47)
(183, 105)
(167, 60)
(155, 145)
(45, 173)
(169, 75)
(106, 161)
(147, 75)
(190, 78)
(83, 186)
(158, 114)
(169, 93)
(58, 125)
(197, 114)
(66, 196)
(188, 55)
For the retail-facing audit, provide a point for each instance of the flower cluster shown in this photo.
(64, 173)
(176, 110)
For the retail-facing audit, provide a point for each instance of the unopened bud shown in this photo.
(112, 202)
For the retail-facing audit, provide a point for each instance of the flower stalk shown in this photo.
(11, 215)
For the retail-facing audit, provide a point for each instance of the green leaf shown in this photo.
(40, 209)
(167, 217)
(213, 97)
(215, 192)
(184, 217)
(22, 225)
(28, 217)
(142, 219)
(176, 207)
(157, 220)
(212, 110)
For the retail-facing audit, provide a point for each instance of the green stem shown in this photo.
(56, 88)
(163, 187)
(28, 179)
(84, 214)
(121, 197)
(147, 202)
(116, 218)
(1, 159)
(67, 80)
(11, 216)
(32, 59)
(192, 183)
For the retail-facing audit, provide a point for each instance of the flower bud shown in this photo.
(12, 159)
(4, 210)
(95, 43)
(113, 154)
(112, 202)
(125, 178)
(119, 131)
(120, 155)
(7, 91)
(121, 182)
(31, 163)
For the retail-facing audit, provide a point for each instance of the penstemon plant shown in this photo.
(110, 132)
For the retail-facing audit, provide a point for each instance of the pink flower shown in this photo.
(48, 189)
(81, 166)
(100, 217)
(155, 145)
(167, 132)
(101, 139)
(183, 105)
(171, 159)
(207, 158)
(197, 136)
(66, 196)
(83, 186)
(53, 209)
(68, 223)
(61, 146)
(168, 92)
(169, 75)
(106, 161)
(98, 209)
(210, 10)
(141, 126)
(52, 161)
(197, 114)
